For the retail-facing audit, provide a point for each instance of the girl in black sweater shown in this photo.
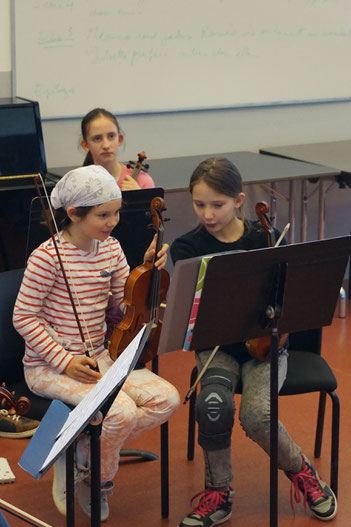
(216, 189)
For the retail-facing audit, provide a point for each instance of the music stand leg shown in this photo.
(70, 485)
(274, 429)
(164, 471)
(95, 471)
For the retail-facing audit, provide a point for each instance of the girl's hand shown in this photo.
(129, 183)
(80, 369)
(161, 256)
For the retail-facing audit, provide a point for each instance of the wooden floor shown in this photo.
(136, 499)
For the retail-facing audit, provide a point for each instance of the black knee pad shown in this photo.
(215, 410)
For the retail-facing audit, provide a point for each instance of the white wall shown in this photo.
(168, 135)
(178, 134)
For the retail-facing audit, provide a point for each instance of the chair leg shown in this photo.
(191, 423)
(334, 459)
(164, 471)
(164, 458)
(334, 468)
(320, 424)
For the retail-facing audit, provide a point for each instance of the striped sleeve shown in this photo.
(39, 278)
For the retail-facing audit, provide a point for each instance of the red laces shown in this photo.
(306, 482)
(210, 501)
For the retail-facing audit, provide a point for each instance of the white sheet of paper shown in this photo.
(86, 409)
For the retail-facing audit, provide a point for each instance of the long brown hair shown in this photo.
(84, 125)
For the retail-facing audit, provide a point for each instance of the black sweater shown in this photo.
(200, 242)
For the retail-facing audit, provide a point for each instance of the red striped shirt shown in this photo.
(43, 313)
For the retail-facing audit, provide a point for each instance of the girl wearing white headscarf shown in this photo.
(87, 203)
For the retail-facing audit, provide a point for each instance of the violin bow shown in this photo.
(285, 230)
(52, 234)
(201, 374)
(19, 513)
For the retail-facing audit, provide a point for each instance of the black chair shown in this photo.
(11, 354)
(307, 372)
(12, 346)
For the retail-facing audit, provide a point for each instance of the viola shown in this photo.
(145, 289)
(138, 165)
(260, 347)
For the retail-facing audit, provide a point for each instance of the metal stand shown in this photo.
(273, 313)
(94, 429)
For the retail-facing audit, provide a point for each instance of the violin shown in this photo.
(138, 165)
(145, 289)
(260, 347)
(8, 402)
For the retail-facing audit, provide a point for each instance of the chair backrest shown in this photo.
(308, 340)
(11, 343)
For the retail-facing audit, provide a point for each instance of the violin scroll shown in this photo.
(8, 402)
(23, 405)
(139, 165)
(157, 205)
(7, 399)
(262, 209)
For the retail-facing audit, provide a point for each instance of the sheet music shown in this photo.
(86, 409)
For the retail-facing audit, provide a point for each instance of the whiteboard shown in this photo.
(137, 56)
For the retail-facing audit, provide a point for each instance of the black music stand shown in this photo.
(266, 291)
(46, 441)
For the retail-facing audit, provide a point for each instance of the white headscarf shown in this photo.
(85, 187)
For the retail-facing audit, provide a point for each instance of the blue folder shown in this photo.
(44, 438)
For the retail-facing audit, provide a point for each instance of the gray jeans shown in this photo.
(254, 415)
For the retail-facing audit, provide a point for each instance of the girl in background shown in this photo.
(216, 189)
(101, 139)
(87, 202)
